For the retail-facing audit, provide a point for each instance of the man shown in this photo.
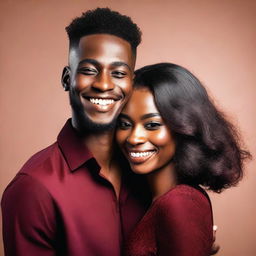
(70, 198)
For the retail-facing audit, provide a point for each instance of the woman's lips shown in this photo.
(139, 157)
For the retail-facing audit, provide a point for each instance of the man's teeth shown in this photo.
(102, 102)
(141, 154)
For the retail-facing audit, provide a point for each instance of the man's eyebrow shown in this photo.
(96, 63)
(91, 61)
(120, 63)
(149, 115)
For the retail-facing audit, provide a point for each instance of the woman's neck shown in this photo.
(162, 180)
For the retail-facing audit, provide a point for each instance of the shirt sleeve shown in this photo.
(184, 225)
(28, 218)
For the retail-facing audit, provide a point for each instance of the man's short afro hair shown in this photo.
(104, 21)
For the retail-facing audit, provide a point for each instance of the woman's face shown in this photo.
(142, 134)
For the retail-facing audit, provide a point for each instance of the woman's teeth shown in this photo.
(141, 154)
(102, 102)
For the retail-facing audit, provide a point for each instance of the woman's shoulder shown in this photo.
(184, 217)
(185, 209)
(183, 198)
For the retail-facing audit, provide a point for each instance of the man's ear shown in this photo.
(65, 78)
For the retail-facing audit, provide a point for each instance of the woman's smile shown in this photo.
(142, 134)
(139, 157)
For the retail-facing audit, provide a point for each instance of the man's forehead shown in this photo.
(104, 44)
(103, 37)
(104, 48)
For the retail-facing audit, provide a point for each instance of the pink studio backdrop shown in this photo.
(215, 39)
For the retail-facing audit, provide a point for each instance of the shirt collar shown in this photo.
(72, 147)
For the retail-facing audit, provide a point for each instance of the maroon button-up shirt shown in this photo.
(58, 204)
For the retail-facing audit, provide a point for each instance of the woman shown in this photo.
(171, 132)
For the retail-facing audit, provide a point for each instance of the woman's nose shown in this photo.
(137, 136)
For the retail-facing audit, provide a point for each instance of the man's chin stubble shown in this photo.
(84, 123)
(88, 125)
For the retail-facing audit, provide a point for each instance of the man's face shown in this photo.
(100, 80)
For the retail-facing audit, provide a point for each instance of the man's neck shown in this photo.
(100, 144)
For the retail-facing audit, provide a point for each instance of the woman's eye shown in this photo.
(88, 71)
(153, 125)
(124, 125)
(118, 74)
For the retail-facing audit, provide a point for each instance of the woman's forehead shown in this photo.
(140, 102)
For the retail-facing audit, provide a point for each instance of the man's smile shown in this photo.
(101, 102)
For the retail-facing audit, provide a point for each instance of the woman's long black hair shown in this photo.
(208, 150)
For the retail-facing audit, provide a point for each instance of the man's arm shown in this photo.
(28, 218)
(215, 246)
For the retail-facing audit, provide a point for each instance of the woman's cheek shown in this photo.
(120, 137)
(162, 137)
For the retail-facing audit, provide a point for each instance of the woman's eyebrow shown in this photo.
(149, 115)
(124, 116)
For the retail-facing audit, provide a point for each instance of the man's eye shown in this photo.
(153, 125)
(124, 125)
(118, 74)
(88, 71)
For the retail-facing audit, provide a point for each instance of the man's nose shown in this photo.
(137, 136)
(103, 82)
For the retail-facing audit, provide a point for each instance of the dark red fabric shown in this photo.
(58, 204)
(179, 223)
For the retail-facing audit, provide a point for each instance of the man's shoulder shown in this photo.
(42, 160)
(43, 165)
(38, 168)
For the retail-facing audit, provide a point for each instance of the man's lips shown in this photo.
(140, 156)
(103, 96)
(101, 104)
